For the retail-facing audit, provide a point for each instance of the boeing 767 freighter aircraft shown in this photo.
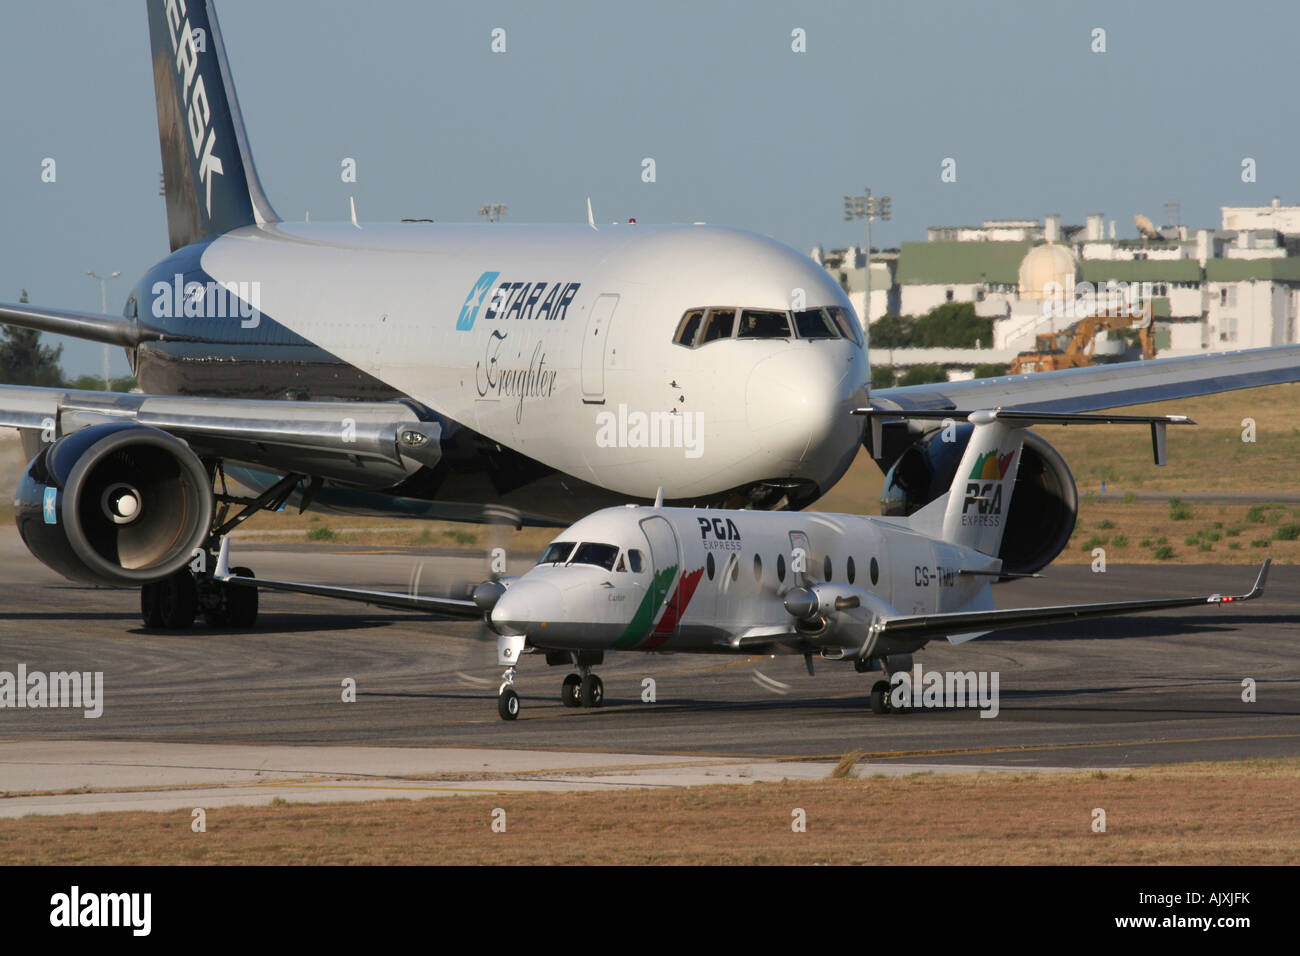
(523, 373)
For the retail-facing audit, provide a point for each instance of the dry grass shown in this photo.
(844, 769)
(1206, 532)
(1233, 814)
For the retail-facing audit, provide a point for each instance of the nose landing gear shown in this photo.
(507, 698)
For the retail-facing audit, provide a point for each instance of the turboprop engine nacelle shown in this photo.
(117, 504)
(836, 615)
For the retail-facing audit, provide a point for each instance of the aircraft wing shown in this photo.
(926, 626)
(1106, 386)
(443, 606)
(364, 444)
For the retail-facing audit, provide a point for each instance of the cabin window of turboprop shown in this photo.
(600, 555)
(875, 572)
(735, 568)
(780, 568)
(850, 570)
(758, 569)
(557, 552)
(826, 568)
(709, 566)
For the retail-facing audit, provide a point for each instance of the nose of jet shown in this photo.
(798, 406)
(528, 606)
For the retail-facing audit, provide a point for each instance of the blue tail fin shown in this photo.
(209, 179)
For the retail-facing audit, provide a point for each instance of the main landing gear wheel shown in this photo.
(880, 697)
(591, 691)
(151, 605)
(171, 603)
(241, 602)
(570, 691)
(508, 704)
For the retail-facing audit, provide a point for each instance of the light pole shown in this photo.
(867, 207)
(103, 307)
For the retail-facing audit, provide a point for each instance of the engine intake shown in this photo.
(118, 504)
(1044, 502)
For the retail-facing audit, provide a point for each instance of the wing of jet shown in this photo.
(1106, 386)
(966, 625)
(364, 444)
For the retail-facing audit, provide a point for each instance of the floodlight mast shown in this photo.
(867, 207)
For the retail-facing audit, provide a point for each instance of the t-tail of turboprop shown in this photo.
(209, 179)
(973, 512)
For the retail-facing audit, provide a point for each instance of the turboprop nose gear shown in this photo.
(509, 647)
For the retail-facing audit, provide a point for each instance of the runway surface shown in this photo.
(1147, 689)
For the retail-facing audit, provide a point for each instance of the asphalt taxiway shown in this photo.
(1146, 689)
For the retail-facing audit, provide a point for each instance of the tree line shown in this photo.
(25, 361)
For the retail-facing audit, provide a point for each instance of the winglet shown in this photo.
(591, 218)
(222, 571)
(1258, 589)
(1255, 591)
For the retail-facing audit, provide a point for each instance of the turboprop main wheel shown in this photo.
(508, 704)
(571, 691)
(880, 697)
(591, 691)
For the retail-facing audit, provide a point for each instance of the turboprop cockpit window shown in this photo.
(763, 324)
(556, 553)
(635, 560)
(815, 324)
(601, 555)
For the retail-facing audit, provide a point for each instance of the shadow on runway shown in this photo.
(1126, 627)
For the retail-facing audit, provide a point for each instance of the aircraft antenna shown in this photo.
(659, 497)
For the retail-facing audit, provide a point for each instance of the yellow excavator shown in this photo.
(1073, 348)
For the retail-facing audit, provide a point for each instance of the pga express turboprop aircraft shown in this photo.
(700, 580)
(527, 374)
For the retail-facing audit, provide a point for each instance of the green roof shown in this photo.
(1235, 270)
(1141, 270)
(938, 263)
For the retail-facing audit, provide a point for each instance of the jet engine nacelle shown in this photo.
(117, 504)
(1044, 502)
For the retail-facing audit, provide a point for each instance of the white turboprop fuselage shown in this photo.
(558, 341)
(699, 579)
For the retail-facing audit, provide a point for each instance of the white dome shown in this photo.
(1044, 265)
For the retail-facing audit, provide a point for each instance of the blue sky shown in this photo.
(743, 131)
